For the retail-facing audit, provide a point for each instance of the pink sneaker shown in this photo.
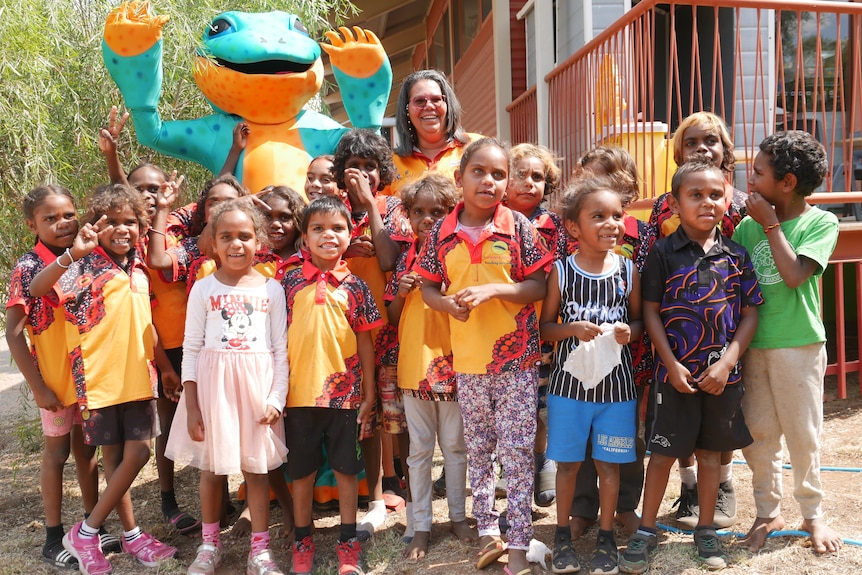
(149, 550)
(91, 560)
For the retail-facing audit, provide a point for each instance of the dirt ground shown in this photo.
(24, 531)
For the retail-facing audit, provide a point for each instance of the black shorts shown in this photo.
(679, 423)
(307, 429)
(132, 421)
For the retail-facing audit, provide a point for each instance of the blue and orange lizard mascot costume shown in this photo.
(258, 68)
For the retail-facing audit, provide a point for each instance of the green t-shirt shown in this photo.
(790, 317)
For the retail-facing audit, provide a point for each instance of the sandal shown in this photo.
(184, 523)
(492, 551)
(526, 571)
(57, 556)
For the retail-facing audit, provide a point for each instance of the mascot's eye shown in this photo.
(218, 26)
(300, 27)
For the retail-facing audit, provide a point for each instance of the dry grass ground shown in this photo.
(23, 528)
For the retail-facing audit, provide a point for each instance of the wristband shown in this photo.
(155, 231)
(771, 227)
(71, 259)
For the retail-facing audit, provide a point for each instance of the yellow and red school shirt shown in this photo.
(46, 324)
(168, 301)
(551, 231)
(325, 310)
(423, 349)
(410, 168)
(397, 224)
(271, 265)
(188, 263)
(499, 336)
(111, 346)
(179, 222)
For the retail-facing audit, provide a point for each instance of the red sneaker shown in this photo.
(350, 558)
(302, 553)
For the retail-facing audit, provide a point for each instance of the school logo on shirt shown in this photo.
(764, 264)
(341, 298)
(498, 254)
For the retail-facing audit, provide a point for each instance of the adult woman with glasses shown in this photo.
(428, 126)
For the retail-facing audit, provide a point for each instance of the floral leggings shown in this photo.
(499, 412)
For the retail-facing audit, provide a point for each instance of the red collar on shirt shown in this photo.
(312, 273)
(503, 220)
(44, 252)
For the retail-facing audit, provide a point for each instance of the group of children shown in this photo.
(285, 355)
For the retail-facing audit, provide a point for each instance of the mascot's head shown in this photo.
(263, 67)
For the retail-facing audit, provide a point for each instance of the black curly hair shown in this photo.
(364, 144)
(798, 153)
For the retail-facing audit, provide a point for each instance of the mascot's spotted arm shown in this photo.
(255, 68)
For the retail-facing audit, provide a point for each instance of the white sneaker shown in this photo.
(262, 564)
(208, 559)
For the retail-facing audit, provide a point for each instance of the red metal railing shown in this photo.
(524, 118)
(762, 65)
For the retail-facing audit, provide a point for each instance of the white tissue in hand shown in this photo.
(537, 553)
(593, 360)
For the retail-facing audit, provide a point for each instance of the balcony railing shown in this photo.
(762, 65)
(522, 111)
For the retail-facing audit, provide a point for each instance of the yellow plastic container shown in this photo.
(648, 144)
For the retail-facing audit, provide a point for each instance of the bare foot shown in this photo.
(518, 561)
(579, 525)
(242, 527)
(464, 532)
(823, 538)
(629, 520)
(418, 548)
(763, 526)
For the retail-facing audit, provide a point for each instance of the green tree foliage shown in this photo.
(55, 94)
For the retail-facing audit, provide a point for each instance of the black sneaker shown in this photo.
(687, 514)
(564, 560)
(605, 557)
(709, 550)
(635, 559)
(725, 506)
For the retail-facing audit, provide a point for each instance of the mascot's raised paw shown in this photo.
(256, 68)
(360, 54)
(131, 29)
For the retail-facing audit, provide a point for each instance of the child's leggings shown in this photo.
(499, 412)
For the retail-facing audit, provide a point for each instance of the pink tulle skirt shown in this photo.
(232, 390)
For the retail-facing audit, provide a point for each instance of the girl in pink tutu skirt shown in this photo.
(235, 383)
